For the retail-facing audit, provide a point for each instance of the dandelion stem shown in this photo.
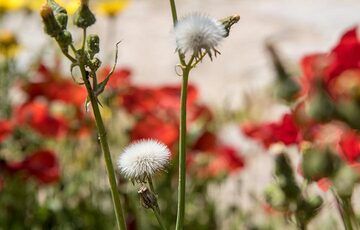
(173, 11)
(182, 152)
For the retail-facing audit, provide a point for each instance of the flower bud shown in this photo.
(51, 26)
(64, 39)
(317, 164)
(93, 43)
(345, 181)
(83, 17)
(96, 63)
(147, 198)
(349, 112)
(62, 19)
(320, 106)
(56, 8)
(276, 197)
(307, 209)
(286, 179)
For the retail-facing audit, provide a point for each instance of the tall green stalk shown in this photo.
(182, 152)
(106, 151)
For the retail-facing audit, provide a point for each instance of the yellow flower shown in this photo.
(8, 44)
(111, 7)
(70, 5)
(10, 5)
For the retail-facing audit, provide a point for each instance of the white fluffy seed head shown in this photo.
(196, 32)
(142, 159)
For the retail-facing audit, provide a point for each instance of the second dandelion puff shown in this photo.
(141, 159)
(197, 33)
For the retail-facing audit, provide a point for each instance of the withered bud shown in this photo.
(147, 198)
(51, 26)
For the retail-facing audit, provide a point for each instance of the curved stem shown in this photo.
(105, 148)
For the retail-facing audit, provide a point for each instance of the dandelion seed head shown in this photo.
(196, 32)
(142, 159)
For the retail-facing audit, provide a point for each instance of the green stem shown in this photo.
(159, 219)
(182, 152)
(173, 11)
(349, 211)
(340, 206)
(105, 148)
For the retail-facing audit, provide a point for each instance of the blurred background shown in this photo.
(43, 122)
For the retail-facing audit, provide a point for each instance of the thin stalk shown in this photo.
(182, 152)
(173, 11)
(106, 151)
(349, 211)
(175, 19)
(159, 219)
(340, 206)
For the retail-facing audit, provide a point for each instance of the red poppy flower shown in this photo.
(5, 129)
(207, 142)
(53, 86)
(226, 160)
(153, 127)
(284, 131)
(142, 100)
(120, 78)
(349, 146)
(346, 55)
(313, 66)
(37, 116)
(43, 165)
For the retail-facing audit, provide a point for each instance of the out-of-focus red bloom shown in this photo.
(324, 184)
(226, 160)
(346, 55)
(43, 165)
(207, 142)
(155, 128)
(37, 116)
(52, 86)
(119, 79)
(142, 100)
(349, 146)
(5, 129)
(284, 131)
(313, 66)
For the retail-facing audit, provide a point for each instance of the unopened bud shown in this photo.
(349, 112)
(62, 19)
(320, 106)
(83, 17)
(318, 164)
(93, 44)
(147, 198)
(64, 39)
(51, 26)
(345, 181)
(276, 197)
